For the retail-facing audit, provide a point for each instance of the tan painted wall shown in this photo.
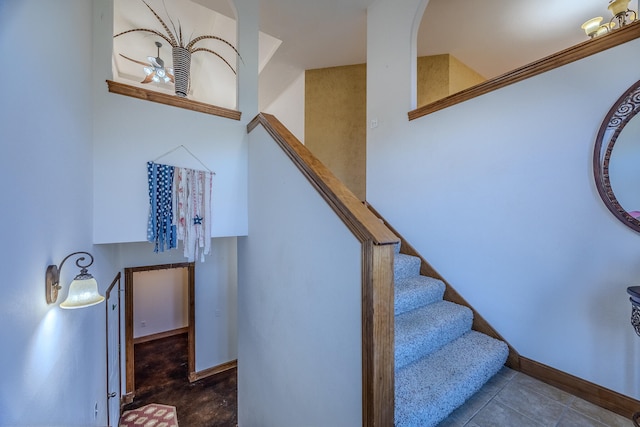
(443, 75)
(335, 122)
(461, 77)
(433, 78)
(335, 111)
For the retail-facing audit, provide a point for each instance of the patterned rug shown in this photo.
(152, 415)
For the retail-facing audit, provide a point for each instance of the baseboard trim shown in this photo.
(126, 399)
(598, 395)
(195, 376)
(160, 335)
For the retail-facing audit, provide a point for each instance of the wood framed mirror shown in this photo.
(617, 172)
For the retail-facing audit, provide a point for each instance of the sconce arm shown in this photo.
(52, 277)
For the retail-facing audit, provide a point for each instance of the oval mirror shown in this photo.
(617, 172)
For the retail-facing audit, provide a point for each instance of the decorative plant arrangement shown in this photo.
(181, 50)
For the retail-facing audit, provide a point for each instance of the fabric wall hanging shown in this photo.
(180, 208)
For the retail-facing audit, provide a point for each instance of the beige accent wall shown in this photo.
(335, 111)
(335, 122)
(443, 75)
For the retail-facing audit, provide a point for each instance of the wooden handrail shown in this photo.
(363, 224)
(377, 253)
(564, 57)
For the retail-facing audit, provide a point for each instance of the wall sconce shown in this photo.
(83, 291)
(593, 28)
(621, 13)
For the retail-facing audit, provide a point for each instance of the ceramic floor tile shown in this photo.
(572, 418)
(471, 407)
(452, 422)
(543, 388)
(529, 402)
(497, 383)
(497, 414)
(606, 417)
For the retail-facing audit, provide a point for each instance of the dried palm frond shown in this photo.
(175, 39)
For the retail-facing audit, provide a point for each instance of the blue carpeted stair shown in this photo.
(439, 361)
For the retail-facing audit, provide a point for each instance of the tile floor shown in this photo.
(512, 399)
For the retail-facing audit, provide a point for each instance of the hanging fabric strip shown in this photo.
(160, 229)
(192, 213)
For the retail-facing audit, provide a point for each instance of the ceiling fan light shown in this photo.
(147, 70)
(156, 79)
(160, 73)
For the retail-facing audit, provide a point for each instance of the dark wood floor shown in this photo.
(161, 376)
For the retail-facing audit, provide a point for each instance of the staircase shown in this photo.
(439, 361)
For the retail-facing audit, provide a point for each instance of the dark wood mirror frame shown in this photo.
(625, 108)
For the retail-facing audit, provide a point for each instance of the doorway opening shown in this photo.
(161, 323)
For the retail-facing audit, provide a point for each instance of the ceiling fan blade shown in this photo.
(137, 62)
(171, 77)
(149, 78)
(155, 62)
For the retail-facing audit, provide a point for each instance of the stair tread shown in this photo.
(428, 390)
(405, 266)
(416, 291)
(426, 329)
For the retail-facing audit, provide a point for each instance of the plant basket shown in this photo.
(181, 70)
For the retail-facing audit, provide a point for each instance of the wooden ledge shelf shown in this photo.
(175, 101)
(564, 57)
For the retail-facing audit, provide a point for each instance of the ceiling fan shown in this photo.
(154, 69)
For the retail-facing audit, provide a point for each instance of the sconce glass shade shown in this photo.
(83, 292)
(605, 28)
(592, 25)
(618, 6)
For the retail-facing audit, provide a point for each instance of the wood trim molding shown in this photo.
(353, 213)
(377, 273)
(160, 335)
(128, 314)
(564, 57)
(195, 376)
(128, 333)
(378, 363)
(598, 395)
(191, 333)
(172, 100)
(450, 294)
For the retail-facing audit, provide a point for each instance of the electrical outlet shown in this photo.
(217, 313)
(143, 323)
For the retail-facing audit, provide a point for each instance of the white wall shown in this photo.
(160, 301)
(498, 194)
(299, 302)
(289, 107)
(215, 294)
(129, 132)
(53, 361)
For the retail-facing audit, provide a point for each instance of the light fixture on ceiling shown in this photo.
(83, 291)
(154, 70)
(622, 16)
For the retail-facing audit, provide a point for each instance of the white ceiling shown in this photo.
(490, 36)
